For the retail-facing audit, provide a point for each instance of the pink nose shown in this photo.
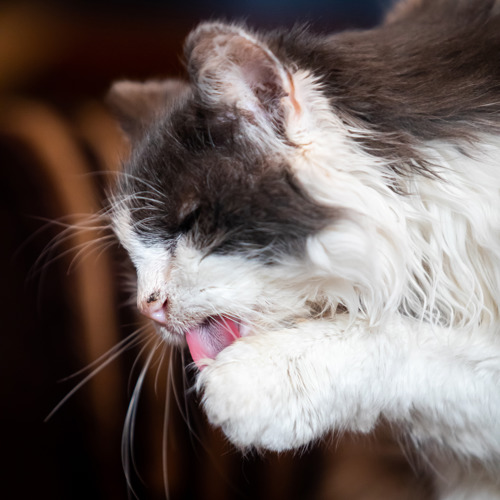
(154, 309)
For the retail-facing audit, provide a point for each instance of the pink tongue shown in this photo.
(208, 340)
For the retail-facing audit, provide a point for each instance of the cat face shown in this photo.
(225, 202)
(208, 208)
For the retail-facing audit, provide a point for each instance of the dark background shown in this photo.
(61, 311)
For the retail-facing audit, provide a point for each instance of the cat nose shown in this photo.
(154, 308)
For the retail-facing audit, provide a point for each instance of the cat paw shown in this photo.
(255, 394)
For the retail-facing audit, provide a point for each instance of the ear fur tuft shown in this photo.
(228, 64)
(138, 104)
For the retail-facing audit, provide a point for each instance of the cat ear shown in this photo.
(138, 104)
(230, 65)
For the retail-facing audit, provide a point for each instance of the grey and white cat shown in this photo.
(319, 219)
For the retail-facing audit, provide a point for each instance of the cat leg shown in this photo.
(285, 388)
(282, 389)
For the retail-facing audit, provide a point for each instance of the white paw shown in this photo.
(283, 389)
(252, 391)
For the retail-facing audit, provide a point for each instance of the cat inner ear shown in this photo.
(229, 65)
(138, 104)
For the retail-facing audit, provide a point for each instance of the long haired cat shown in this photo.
(318, 218)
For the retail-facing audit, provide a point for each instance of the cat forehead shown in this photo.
(209, 172)
(187, 134)
(192, 156)
(220, 194)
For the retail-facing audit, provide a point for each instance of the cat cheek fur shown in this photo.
(193, 286)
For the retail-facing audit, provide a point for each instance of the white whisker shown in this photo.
(127, 343)
(128, 435)
(104, 361)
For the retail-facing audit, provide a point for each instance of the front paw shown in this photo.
(255, 393)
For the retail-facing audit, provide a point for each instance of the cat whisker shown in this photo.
(153, 188)
(100, 245)
(168, 391)
(128, 436)
(71, 228)
(71, 231)
(139, 197)
(165, 348)
(183, 408)
(103, 362)
(128, 342)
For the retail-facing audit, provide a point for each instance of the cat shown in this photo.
(318, 219)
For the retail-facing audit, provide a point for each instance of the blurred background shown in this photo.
(64, 300)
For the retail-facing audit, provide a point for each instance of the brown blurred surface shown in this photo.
(62, 308)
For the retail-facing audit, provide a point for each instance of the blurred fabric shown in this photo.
(64, 298)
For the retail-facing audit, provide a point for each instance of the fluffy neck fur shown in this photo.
(410, 244)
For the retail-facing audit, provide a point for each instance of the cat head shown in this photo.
(243, 196)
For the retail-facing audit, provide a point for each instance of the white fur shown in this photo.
(419, 274)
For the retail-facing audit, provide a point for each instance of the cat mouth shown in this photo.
(210, 337)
